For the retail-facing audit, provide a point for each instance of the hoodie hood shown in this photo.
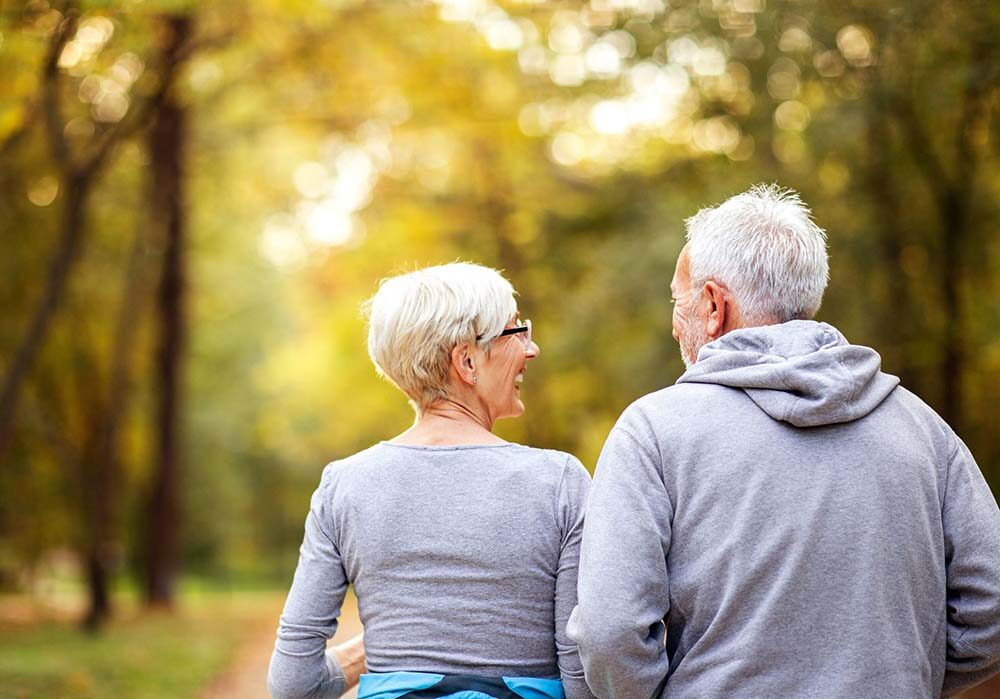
(802, 372)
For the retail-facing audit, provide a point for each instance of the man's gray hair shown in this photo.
(416, 319)
(764, 247)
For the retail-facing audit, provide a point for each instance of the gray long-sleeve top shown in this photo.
(787, 521)
(463, 560)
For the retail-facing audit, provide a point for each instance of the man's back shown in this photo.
(803, 525)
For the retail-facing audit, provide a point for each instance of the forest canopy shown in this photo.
(195, 199)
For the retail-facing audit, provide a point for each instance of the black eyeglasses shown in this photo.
(519, 329)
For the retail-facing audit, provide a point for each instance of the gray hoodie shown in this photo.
(786, 521)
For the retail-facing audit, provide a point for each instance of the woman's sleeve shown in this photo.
(300, 666)
(572, 502)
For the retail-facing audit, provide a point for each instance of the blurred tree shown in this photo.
(97, 454)
(326, 146)
(880, 114)
(167, 141)
(78, 172)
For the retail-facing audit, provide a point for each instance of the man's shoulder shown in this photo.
(660, 413)
(904, 412)
(671, 400)
(914, 404)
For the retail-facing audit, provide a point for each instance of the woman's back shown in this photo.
(455, 554)
(463, 559)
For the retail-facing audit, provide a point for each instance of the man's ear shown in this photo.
(716, 301)
(464, 363)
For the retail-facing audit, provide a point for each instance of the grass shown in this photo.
(138, 655)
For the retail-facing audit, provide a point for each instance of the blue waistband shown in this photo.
(426, 685)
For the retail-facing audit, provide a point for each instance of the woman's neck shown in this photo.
(448, 423)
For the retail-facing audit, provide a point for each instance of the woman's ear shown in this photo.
(465, 363)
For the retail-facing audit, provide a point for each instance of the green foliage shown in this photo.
(570, 167)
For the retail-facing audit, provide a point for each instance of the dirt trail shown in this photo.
(246, 677)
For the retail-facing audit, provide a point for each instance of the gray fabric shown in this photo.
(806, 373)
(802, 527)
(463, 560)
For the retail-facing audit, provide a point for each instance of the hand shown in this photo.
(350, 655)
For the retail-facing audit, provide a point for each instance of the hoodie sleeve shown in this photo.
(300, 667)
(972, 557)
(623, 588)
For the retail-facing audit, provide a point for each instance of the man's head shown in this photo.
(756, 259)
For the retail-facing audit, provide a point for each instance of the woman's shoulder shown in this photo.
(555, 457)
(347, 467)
(563, 465)
(384, 459)
(560, 475)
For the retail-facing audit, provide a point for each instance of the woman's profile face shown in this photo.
(502, 370)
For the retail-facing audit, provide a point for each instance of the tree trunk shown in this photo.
(77, 177)
(103, 468)
(880, 185)
(166, 145)
(99, 596)
(73, 226)
(954, 213)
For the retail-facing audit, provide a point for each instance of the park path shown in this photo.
(246, 676)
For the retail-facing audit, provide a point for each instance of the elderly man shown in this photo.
(786, 520)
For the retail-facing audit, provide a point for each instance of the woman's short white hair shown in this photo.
(416, 319)
(765, 248)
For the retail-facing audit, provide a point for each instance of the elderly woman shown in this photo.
(462, 548)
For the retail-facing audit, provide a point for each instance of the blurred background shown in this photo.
(196, 197)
